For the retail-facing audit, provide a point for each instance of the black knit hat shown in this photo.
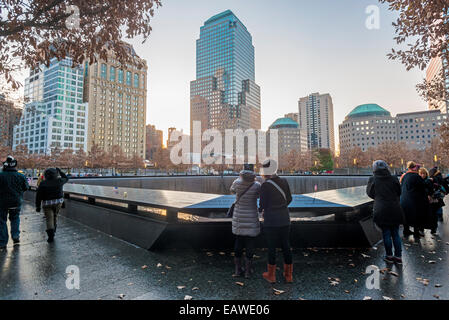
(10, 162)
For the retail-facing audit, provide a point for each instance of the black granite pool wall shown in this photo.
(221, 185)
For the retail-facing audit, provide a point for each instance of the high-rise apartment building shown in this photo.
(369, 125)
(154, 141)
(55, 115)
(117, 98)
(316, 117)
(224, 94)
(438, 69)
(9, 117)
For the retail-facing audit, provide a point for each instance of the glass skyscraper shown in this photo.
(56, 115)
(224, 94)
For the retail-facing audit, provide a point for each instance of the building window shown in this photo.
(120, 76)
(103, 71)
(112, 74)
(128, 78)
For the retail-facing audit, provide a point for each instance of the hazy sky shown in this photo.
(302, 47)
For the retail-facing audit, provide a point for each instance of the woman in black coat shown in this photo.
(414, 201)
(386, 191)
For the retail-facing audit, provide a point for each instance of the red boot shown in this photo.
(288, 273)
(270, 275)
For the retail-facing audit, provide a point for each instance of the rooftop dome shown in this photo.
(367, 110)
(284, 123)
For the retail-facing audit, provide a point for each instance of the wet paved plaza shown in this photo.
(111, 269)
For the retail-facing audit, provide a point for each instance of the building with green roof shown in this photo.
(290, 137)
(368, 125)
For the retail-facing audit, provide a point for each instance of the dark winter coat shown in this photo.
(52, 187)
(12, 186)
(273, 203)
(245, 220)
(386, 191)
(414, 199)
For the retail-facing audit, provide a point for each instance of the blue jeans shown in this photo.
(14, 218)
(391, 237)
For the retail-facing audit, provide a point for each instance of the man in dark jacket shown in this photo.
(414, 201)
(12, 186)
(386, 191)
(50, 194)
(275, 197)
(437, 178)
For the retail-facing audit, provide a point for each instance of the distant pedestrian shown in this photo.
(275, 197)
(39, 180)
(437, 177)
(50, 196)
(385, 189)
(245, 220)
(414, 201)
(12, 186)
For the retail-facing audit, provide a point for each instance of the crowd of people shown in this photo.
(414, 201)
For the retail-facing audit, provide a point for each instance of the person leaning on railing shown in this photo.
(51, 196)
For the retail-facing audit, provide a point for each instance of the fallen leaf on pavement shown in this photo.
(188, 298)
(195, 289)
(278, 292)
(181, 287)
(436, 296)
(159, 265)
(438, 285)
(121, 296)
(393, 273)
(367, 298)
(387, 298)
(144, 267)
(384, 270)
(240, 284)
(365, 256)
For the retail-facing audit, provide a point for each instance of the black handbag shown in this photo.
(230, 212)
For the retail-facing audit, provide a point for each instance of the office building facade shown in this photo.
(58, 118)
(370, 125)
(290, 136)
(154, 141)
(9, 117)
(225, 94)
(117, 98)
(438, 69)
